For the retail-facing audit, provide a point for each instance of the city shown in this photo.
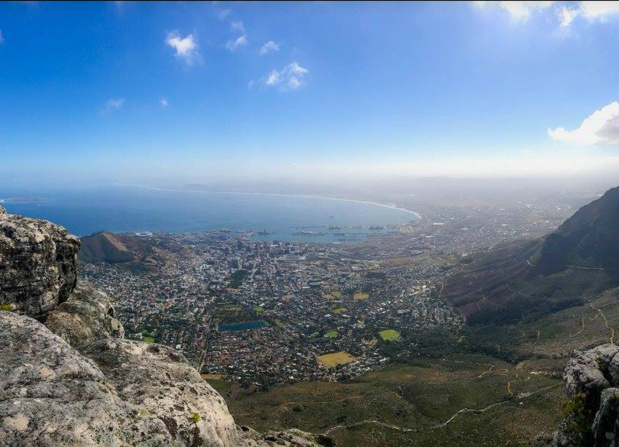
(260, 313)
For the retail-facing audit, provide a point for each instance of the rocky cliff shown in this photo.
(592, 412)
(68, 378)
(38, 264)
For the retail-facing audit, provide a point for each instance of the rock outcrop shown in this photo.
(38, 264)
(70, 379)
(87, 315)
(50, 395)
(159, 379)
(592, 412)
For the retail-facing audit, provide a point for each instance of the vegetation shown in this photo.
(389, 335)
(194, 418)
(6, 307)
(578, 420)
(335, 359)
(331, 334)
(417, 397)
(237, 278)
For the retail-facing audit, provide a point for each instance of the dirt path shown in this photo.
(610, 329)
(441, 425)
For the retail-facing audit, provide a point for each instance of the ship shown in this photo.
(334, 227)
(308, 233)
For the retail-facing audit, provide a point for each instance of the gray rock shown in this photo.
(605, 422)
(38, 264)
(592, 377)
(52, 396)
(587, 372)
(88, 315)
(159, 379)
(2, 210)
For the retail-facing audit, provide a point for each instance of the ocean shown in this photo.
(260, 216)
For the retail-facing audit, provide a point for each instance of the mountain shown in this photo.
(69, 377)
(104, 247)
(589, 239)
(528, 279)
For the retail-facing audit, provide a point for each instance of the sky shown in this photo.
(185, 92)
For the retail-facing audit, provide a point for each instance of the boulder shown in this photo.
(592, 414)
(88, 315)
(38, 264)
(588, 372)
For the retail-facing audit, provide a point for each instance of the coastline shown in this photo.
(305, 196)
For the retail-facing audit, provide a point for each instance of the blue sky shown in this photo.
(184, 91)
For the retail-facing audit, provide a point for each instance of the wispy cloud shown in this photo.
(520, 11)
(1, 38)
(269, 47)
(112, 104)
(567, 16)
(292, 77)
(237, 25)
(566, 12)
(164, 102)
(186, 48)
(237, 43)
(222, 14)
(601, 127)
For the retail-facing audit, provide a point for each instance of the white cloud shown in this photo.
(567, 16)
(601, 127)
(223, 13)
(186, 47)
(598, 10)
(164, 102)
(591, 11)
(237, 25)
(519, 11)
(268, 47)
(235, 44)
(112, 104)
(291, 77)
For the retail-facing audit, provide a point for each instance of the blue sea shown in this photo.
(264, 217)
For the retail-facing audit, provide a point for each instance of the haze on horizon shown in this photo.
(175, 93)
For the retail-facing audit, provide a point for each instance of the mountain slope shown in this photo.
(589, 239)
(528, 279)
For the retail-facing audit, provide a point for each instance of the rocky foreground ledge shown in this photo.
(68, 378)
(592, 411)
